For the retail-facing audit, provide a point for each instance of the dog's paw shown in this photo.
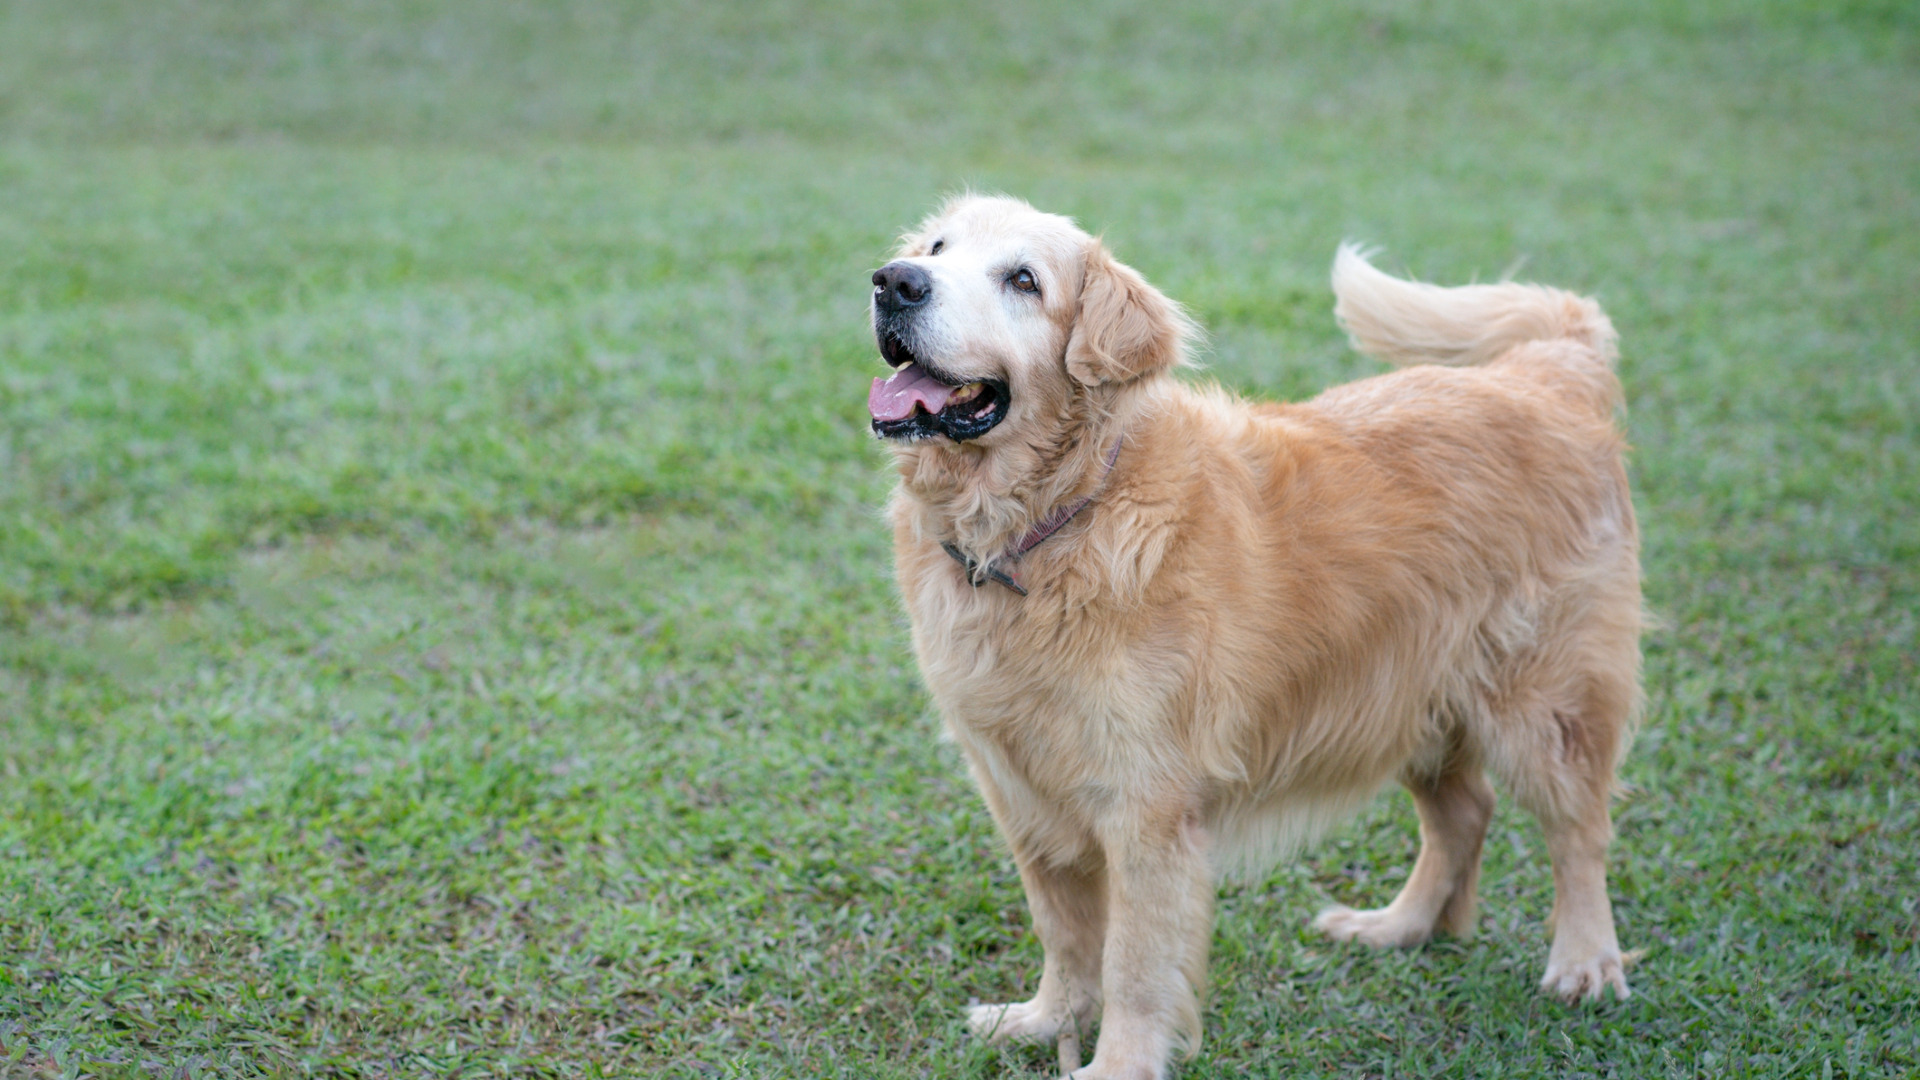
(1119, 1070)
(1096, 1072)
(1025, 1021)
(1574, 981)
(1382, 928)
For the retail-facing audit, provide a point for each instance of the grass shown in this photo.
(444, 624)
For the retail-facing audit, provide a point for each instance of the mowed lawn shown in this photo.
(446, 627)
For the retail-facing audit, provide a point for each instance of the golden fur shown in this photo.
(1268, 611)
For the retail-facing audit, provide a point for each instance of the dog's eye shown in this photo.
(937, 245)
(1022, 279)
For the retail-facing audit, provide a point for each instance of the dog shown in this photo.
(1175, 633)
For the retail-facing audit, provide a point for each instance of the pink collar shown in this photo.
(1039, 534)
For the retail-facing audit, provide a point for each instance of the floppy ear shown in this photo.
(1126, 328)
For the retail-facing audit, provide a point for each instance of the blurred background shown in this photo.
(445, 622)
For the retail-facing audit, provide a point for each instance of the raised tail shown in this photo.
(1409, 322)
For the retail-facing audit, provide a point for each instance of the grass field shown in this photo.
(445, 626)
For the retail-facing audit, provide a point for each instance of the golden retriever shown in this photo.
(1177, 633)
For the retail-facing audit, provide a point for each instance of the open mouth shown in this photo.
(918, 404)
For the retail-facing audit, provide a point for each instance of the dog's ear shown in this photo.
(1125, 328)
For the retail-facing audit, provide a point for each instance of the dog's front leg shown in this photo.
(1068, 904)
(1159, 924)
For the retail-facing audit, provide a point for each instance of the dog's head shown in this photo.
(1004, 324)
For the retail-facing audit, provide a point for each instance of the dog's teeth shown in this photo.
(965, 393)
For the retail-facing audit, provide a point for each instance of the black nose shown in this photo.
(900, 285)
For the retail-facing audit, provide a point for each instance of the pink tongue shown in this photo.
(894, 399)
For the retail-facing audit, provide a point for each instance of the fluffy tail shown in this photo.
(1409, 322)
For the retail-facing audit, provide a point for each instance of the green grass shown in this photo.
(445, 623)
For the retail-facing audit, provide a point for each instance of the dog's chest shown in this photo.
(1069, 695)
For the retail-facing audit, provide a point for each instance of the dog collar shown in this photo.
(1039, 534)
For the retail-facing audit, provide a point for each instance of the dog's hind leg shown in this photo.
(1572, 805)
(1440, 893)
(1585, 959)
(1556, 751)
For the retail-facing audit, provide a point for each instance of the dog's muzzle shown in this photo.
(920, 400)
